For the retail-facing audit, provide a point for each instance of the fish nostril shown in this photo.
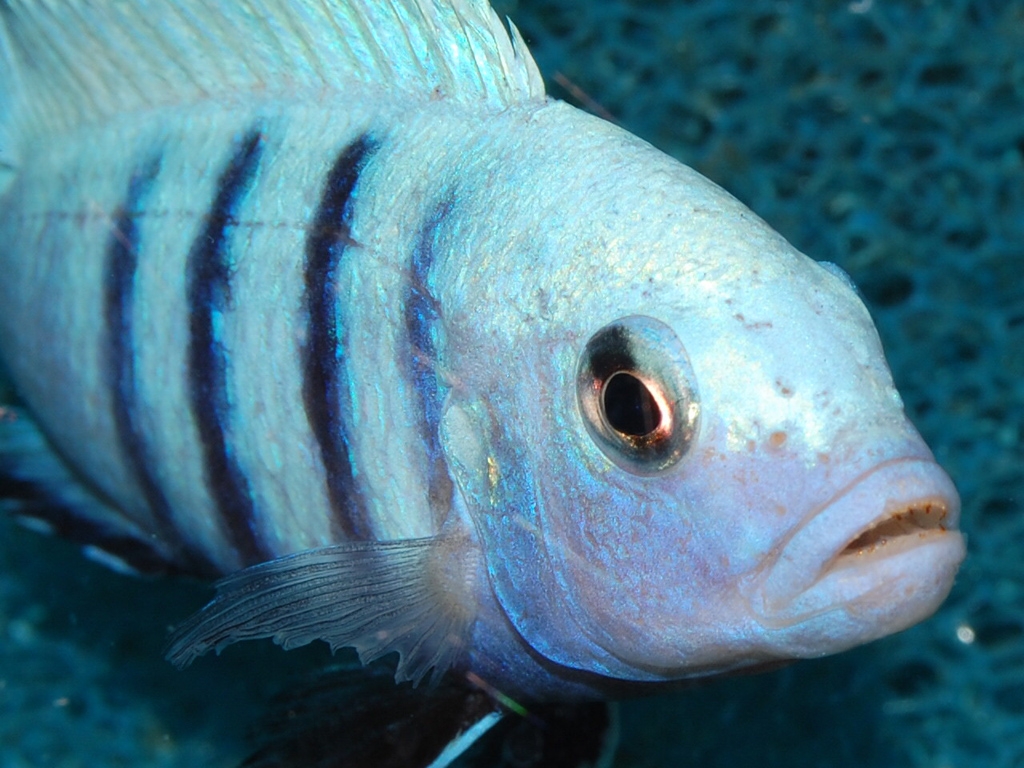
(913, 519)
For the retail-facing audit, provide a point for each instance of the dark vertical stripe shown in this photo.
(325, 373)
(209, 271)
(421, 315)
(119, 362)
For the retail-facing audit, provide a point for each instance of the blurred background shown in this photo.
(887, 137)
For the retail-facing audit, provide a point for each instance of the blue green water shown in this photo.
(884, 136)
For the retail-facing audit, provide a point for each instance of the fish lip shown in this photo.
(853, 530)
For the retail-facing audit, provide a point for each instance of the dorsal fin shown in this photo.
(80, 60)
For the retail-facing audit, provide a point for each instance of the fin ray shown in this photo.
(83, 61)
(378, 597)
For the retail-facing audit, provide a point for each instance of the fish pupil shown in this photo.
(629, 405)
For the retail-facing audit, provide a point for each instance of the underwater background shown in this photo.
(886, 136)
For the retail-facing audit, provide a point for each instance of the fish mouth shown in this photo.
(906, 527)
(889, 535)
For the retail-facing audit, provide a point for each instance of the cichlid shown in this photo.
(332, 299)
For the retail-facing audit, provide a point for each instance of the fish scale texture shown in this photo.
(885, 137)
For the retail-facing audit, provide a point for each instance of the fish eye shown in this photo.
(630, 406)
(637, 396)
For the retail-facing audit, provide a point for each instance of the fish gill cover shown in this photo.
(885, 137)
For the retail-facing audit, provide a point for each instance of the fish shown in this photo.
(331, 301)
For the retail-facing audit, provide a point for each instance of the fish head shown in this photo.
(692, 458)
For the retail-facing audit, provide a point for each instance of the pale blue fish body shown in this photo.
(520, 395)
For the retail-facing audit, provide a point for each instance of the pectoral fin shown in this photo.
(378, 597)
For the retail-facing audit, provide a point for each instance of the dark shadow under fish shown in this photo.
(313, 724)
